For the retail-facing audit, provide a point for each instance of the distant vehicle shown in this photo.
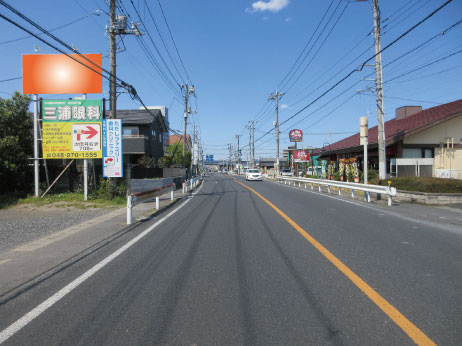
(286, 172)
(253, 174)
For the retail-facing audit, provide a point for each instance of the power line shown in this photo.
(306, 45)
(361, 66)
(426, 65)
(54, 29)
(46, 32)
(10, 79)
(365, 62)
(163, 42)
(124, 85)
(319, 48)
(171, 36)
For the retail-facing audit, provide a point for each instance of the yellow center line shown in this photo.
(407, 326)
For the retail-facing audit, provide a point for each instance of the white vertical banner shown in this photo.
(112, 148)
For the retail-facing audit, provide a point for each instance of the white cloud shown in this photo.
(283, 106)
(269, 5)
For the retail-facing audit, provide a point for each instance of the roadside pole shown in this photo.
(363, 131)
(85, 170)
(36, 158)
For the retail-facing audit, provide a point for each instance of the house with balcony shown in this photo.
(418, 143)
(144, 133)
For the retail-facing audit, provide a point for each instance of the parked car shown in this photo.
(286, 172)
(253, 174)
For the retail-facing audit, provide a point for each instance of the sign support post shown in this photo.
(36, 158)
(85, 170)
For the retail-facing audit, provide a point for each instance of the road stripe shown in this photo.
(407, 326)
(41, 308)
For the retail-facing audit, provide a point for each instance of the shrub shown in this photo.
(425, 184)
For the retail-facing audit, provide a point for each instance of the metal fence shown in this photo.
(366, 188)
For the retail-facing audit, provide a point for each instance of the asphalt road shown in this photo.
(230, 268)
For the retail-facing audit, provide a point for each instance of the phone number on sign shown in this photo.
(83, 155)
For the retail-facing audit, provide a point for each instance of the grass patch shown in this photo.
(426, 184)
(63, 200)
(10, 199)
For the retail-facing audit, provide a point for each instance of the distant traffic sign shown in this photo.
(209, 158)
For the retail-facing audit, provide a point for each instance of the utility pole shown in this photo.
(379, 86)
(238, 156)
(229, 159)
(250, 146)
(275, 97)
(253, 144)
(112, 59)
(188, 90)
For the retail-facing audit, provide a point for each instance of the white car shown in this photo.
(253, 174)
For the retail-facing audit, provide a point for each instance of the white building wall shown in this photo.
(448, 156)
(438, 134)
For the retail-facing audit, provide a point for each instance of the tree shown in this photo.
(15, 144)
(175, 156)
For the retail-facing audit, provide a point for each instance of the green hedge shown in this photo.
(425, 184)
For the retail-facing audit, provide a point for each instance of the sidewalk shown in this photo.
(26, 265)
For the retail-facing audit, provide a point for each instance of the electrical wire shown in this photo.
(173, 40)
(54, 29)
(163, 42)
(10, 79)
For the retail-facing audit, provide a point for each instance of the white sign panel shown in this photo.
(112, 148)
(86, 137)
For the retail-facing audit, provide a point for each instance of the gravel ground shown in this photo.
(22, 224)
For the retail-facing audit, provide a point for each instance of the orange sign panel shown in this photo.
(59, 74)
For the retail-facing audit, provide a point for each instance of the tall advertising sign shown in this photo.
(296, 135)
(71, 129)
(60, 74)
(301, 155)
(112, 148)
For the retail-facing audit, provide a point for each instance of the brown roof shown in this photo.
(173, 139)
(396, 130)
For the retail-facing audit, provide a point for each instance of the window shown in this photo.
(131, 131)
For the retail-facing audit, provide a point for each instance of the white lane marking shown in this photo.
(4, 260)
(37, 311)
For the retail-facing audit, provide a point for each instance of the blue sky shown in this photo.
(237, 52)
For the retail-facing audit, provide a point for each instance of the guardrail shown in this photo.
(191, 183)
(136, 198)
(139, 197)
(367, 188)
